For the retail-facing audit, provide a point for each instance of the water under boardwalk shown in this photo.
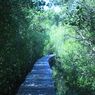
(39, 80)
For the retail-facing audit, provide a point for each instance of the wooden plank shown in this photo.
(39, 80)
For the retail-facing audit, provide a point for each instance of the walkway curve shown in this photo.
(39, 80)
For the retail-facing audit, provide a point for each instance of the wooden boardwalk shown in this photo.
(39, 80)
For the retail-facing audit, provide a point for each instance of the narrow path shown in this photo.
(39, 80)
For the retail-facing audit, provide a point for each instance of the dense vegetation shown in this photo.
(22, 40)
(28, 31)
(73, 40)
